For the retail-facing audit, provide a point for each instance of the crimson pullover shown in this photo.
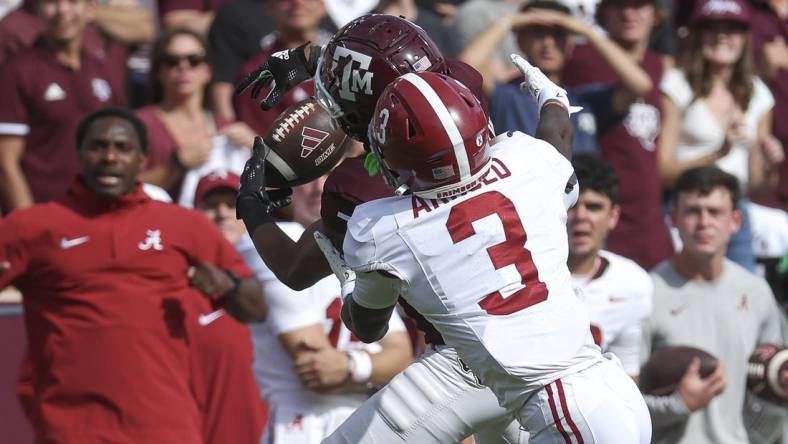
(105, 298)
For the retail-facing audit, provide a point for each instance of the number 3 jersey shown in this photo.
(487, 268)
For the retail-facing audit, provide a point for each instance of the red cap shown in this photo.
(713, 10)
(214, 181)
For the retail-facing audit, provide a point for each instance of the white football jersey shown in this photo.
(488, 268)
(290, 310)
(618, 295)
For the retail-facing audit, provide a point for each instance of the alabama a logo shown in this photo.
(355, 76)
(152, 241)
(310, 139)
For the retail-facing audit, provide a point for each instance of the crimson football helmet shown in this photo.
(365, 56)
(430, 135)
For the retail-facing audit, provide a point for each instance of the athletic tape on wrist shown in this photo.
(362, 365)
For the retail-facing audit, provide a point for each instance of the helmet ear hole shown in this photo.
(411, 130)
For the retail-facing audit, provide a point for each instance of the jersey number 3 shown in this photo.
(510, 251)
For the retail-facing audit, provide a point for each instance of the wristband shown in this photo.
(236, 284)
(252, 211)
(361, 364)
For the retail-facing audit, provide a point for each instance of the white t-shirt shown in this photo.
(701, 133)
(618, 295)
(487, 269)
(290, 310)
(225, 156)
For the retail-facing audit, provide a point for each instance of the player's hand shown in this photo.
(321, 369)
(282, 71)
(541, 89)
(210, 280)
(346, 276)
(697, 392)
(254, 203)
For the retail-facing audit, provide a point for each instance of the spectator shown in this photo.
(475, 16)
(196, 15)
(704, 300)
(186, 138)
(233, 39)
(304, 354)
(423, 17)
(543, 32)
(617, 292)
(641, 234)
(297, 22)
(715, 110)
(111, 281)
(769, 36)
(44, 91)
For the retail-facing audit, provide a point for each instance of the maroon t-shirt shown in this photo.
(349, 185)
(110, 314)
(249, 111)
(161, 142)
(766, 26)
(630, 146)
(43, 101)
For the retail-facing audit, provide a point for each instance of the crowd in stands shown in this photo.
(683, 126)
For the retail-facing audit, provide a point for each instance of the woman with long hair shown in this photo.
(715, 109)
(185, 137)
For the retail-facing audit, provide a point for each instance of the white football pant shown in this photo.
(598, 405)
(435, 400)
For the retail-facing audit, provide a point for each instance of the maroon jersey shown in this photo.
(249, 111)
(18, 30)
(43, 101)
(630, 146)
(107, 303)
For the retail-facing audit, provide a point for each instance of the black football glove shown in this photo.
(254, 203)
(283, 70)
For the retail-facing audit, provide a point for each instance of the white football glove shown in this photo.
(346, 276)
(539, 87)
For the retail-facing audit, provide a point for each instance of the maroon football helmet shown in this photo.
(365, 56)
(430, 135)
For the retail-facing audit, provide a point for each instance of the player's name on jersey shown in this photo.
(498, 171)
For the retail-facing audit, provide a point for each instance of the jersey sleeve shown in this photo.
(628, 343)
(14, 116)
(14, 248)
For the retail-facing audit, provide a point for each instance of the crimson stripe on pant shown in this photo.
(556, 419)
(565, 408)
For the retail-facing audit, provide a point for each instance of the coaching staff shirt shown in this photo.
(105, 298)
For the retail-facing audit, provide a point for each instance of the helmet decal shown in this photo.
(355, 77)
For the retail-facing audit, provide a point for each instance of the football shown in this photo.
(764, 373)
(304, 145)
(666, 366)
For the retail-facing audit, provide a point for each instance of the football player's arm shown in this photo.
(367, 310)
(14, 189)
(554, 128)
(298, 264)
